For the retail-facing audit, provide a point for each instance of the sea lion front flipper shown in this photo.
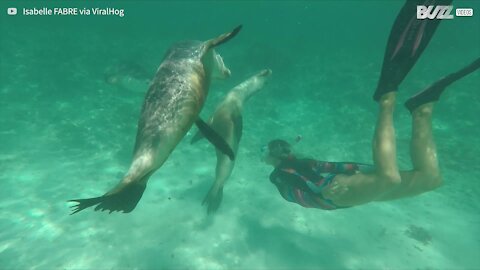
(238, 124)
(125, 200)
(214, 138)
(213, 199)
(197, 137)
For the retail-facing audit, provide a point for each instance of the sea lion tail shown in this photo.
(224, 37)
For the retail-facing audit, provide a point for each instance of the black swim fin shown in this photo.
(214, 138)
(433, 92)
(408, 38)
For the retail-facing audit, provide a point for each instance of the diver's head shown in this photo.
(276, 151)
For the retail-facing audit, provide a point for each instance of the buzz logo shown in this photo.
(434, 12)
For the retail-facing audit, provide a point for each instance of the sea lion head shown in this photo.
(193, 50)
(213, 62)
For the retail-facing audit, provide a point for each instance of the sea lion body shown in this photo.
(171, 106)
(227, 121)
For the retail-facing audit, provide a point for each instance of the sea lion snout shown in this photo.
(227, 73)
(260, 79)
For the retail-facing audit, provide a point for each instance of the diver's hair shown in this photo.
(279, 149)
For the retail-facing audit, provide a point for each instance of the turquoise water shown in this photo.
(67, 132)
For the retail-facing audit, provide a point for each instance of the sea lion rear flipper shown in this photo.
(224, 37)
(126, 200)
(214, 138)
(213, 199)
(84, 203)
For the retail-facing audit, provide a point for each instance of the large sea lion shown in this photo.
(171, 106)
(228, 123)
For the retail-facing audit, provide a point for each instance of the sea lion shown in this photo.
(228, 123)
(171, 106)
(128, 75)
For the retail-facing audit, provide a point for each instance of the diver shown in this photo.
(333, 185)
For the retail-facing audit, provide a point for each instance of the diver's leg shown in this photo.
(384, 147)
(422, 147)
(425, 175)
(348, 190)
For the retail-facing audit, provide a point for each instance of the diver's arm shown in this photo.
(292, 180)
(304, 184)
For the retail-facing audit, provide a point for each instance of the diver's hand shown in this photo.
(213, 198)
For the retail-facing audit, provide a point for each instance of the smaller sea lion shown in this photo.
(227, 122)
